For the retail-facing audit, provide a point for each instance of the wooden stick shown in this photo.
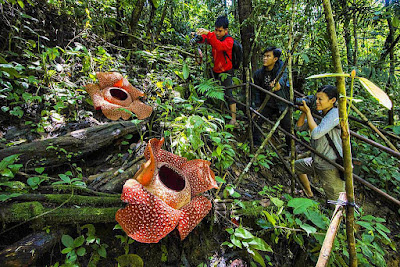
(326, 248)
(261, 148)
(373, 127)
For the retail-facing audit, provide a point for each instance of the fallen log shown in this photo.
(27, 251)
(70, 147)
(113, 181)
(38, 214)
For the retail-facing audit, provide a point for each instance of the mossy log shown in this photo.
(70, 147)
(39, 214)
(72, 199)
(26, 251)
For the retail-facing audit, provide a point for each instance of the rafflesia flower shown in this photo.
(114, 93)
(164, 194)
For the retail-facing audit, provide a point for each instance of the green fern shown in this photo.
(210, 88)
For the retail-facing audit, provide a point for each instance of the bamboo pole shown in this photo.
(261, 148)
(326, 248)
(347, 160)
(373, 127)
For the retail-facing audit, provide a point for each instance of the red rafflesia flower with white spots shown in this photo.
(164, 194)
(114, 94)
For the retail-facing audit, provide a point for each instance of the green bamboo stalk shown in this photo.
(345, 133)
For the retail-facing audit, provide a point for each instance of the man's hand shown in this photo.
(201, 31)
(275, 87)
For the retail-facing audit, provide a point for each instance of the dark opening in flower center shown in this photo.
(171, 179)
(118, 94)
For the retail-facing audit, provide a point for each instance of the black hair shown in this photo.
(276, 51)
(222, 21)
(329, 90)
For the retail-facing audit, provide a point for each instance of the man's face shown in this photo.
(269, 59)
(220, 32)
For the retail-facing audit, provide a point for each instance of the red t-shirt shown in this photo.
(221, 62)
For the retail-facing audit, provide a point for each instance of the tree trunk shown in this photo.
(347, 39)
(150, 24)
(136, 15)
(40, 215)
(246, 30)
(345, 134)
(389, 42)
(71, 147)
(355, 50)
(161, 23)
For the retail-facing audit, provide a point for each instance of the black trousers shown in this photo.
(226, 83)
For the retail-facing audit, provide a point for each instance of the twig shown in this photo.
(261, 148)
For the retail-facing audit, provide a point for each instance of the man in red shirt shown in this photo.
(222, 54)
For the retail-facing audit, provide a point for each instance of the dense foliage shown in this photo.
(50, 49)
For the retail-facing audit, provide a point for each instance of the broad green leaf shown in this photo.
(243, 233)
(382, 227)
(219, 180)
(7, 173)
(79, 241)
(308, 228)
(270, 218)
(102, 252)
(316, 219)
(325, 75)
(7, 161)
(300, 205)
(376, 92)
(66, 250)
(277, 202)
(365, 225)
(257, 257)
(67, 241)
(230, 230)
(384, 235)
(39, 170)
(185, 71)
(368, 218)
(226, 243)
(236, 241)
(259, 244)
(81, 251)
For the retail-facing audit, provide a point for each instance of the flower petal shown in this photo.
(94, 92)
(146, 172)
(161, 155)
(192, 214)
(146, 219)
(107, 79)
(141, 110)
(112, 111)
(199, 175)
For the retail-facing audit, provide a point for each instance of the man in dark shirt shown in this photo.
(265, 77)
